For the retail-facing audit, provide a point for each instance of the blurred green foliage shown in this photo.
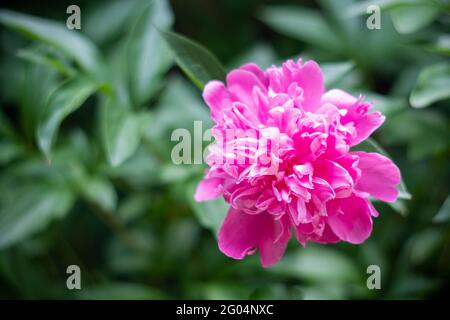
(85, 124)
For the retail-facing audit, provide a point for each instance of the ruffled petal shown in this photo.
(379, 176)
(309, 78)
(240, 84)
(217, 97)
(366, 125)
(350, 219)
(274, 240)
(339, 98)
(256, 70)
(337, 176)
(239, 234)
(328, 236)
(355, 113)
(242, 234)
(208, 189)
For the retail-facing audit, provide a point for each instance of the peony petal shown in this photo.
(328, 236)
(256, 70)
(322, 190)
(208, 189)
(350, 219)
(356, 113)
(350, 163)
(366, 125)
(379, 176)
(337, 176)
(274, 240)
(217, 98)
(240, 84)
(298, 212)
(309, 78)
(339, 98)
(239, 234)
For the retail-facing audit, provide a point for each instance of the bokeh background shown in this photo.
(102, 193)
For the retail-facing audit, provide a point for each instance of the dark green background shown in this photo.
(135, 230)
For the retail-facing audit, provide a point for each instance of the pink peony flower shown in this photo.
(282, 160)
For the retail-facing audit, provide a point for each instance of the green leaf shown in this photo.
(399, 206)
(171, 173)
(443, 214)
(370, 145)
(108, 19)
(199, 64)
(180, 239)
(325, 292)
(432, 85)
(134, 206)
(413, 286)
(40, 57)
(371, 253)
(120, 127)
(424, 244)
(160, 129)
(140, 171)
(411, 18)
(416, 128)
(225, 291)
(150, 56)
(387, 105)
(360, 7)
(120, 291)
(71, 43)
(441, 46)
(261, 54)
(407, 16)
(334, 72)
(121, 259)
(6, 128)
(318, 265)
(301, 23)
(100, 192)
(335, 11)
(210, 214)
(38, 83)
(9, 151)
(67, 98)
(38, 205)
